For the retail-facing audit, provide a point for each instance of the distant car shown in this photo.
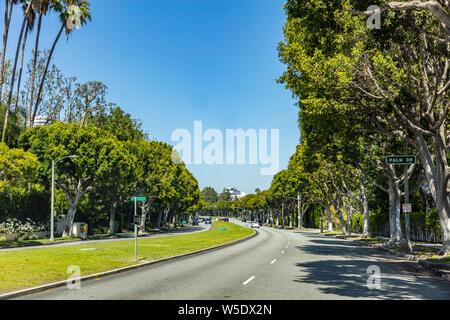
(261, 223)
(226, 220)
(195, 223)
(255, 225)
(208, 221)
(244, 220)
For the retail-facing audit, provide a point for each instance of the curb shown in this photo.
(120, 270)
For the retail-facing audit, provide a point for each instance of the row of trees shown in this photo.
(18, 103)
(115, 161)
(364, 94)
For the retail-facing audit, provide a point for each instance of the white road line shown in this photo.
(248, 281)
(282, 252)
(274, 260)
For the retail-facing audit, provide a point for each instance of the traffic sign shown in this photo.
(138, 199)
(137, 220)
(401, 160)
(407, 208)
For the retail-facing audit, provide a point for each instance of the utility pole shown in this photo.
(299, 216)
(52, 209)
(135, 228)
(282, 215)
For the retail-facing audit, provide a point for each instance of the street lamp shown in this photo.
(52, 213)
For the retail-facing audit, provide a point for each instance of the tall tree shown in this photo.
(65, 14)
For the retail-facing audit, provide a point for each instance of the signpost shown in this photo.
(405, 160)
(407, 208)
(137, 220)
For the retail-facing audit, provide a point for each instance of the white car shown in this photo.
(255, 225)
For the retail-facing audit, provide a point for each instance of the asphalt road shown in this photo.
(275, 265)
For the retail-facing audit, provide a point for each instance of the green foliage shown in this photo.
(209, 195)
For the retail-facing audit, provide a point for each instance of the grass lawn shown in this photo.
(33, 267)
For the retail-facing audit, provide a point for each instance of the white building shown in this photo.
(40, 121)
(235, 193)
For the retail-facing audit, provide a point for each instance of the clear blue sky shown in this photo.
(171, 62)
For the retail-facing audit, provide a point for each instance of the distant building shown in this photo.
(40, 121)
(235, 193)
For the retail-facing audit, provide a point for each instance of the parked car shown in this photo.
(208, 221)
(244, 220)
(255, 225)
(195, 223)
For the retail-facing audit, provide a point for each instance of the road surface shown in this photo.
(275, 265)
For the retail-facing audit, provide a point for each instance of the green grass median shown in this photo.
(34, 267)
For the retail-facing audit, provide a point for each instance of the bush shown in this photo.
(13, 225)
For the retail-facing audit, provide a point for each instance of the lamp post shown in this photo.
(52, 213)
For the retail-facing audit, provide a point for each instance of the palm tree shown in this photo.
(9, 4)
(42, 8)
(8, 104)
(30, 25)
(63, 7)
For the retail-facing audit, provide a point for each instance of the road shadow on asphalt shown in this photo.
(340, 268)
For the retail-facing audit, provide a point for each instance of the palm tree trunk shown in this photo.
(8, 13)
(8, 104)
(36, 48)
(21, 67)
(41, 87)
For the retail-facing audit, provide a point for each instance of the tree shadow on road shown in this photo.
(340, 268)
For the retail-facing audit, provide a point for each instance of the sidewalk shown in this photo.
(122, 237)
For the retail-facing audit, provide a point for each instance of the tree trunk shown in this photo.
(330, 220)
(145, 209)
(112, 218)
(33, 73)
(19, 81)
(41, 86)
(13, 75)
(341, 219)
(437, 178)
(71, 216)
(365, 204)
(8, 12)
(158, 218)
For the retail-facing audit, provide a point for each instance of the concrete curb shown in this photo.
(120, 270)
(437, 269)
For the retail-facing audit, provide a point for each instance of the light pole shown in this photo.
(52, 213)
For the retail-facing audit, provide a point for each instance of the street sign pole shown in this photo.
(135, 229)
(407, 215)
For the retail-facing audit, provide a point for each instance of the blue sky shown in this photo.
(172, 62)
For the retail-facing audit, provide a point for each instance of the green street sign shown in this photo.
(138, 199)
(401, 160)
